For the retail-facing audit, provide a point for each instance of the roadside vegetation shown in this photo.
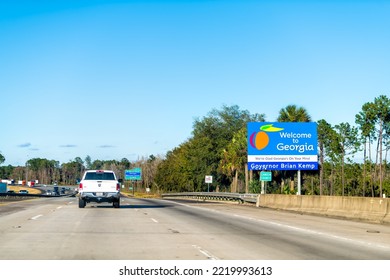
(217, 147)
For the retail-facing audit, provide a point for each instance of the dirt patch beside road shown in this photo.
(30, 190)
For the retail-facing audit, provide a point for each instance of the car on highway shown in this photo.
(99, 186)
(23, 191)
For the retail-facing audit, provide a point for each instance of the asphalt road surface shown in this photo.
(153, 229)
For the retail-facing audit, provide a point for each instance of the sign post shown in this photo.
(265, 176)
(209, 180)
(132, 175)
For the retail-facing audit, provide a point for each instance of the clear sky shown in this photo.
(114, 79)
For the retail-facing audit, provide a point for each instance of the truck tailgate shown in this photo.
(99, 186)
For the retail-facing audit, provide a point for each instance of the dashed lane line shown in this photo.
(205, 253)
(36, 217)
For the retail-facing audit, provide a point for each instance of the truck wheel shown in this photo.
(116, 204)
(82, 203)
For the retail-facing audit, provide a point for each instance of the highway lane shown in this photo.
(147, 229)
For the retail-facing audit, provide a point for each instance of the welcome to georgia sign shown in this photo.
(282, 146)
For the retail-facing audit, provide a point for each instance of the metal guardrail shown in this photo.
(247, 197)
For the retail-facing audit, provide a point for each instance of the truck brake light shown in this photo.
(118, 187)
(81, 186)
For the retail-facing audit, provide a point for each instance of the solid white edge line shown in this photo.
(294, 228)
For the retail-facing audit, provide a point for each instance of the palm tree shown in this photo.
(292, 113)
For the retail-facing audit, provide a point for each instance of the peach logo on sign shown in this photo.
(259, 140)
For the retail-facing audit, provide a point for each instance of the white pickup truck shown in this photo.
(99, 186)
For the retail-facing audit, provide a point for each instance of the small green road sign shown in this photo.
(266, 176)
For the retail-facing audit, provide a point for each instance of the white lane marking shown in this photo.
(205, 253)
(154, 220)
(36, 217)
(59, 207)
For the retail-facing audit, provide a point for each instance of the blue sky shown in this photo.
(115, 79)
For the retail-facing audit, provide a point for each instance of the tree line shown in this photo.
(218, 147)
(51, 171)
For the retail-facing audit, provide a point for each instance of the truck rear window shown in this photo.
(99, 176)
